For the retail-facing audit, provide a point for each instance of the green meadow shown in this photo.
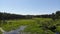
(33, 25)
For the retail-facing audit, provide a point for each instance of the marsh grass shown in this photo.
(33, 25)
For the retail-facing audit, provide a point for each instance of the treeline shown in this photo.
(54, 16)
(7, 16)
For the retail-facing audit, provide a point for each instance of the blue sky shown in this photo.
(31, 7)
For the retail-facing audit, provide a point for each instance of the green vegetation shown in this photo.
(35, 25)
(39, 24)
(0, 32)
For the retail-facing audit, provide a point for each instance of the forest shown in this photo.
(8, 16)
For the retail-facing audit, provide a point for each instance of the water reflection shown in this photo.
(57, 33)
(17, 31)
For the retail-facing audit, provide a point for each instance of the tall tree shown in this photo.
(58, 14)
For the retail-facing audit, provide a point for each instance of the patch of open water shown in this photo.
(17, 31)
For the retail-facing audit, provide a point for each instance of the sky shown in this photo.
(29, 7)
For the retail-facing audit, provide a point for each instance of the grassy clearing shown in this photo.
(14, 24)
(33, 25)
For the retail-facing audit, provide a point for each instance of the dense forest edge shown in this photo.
(8, 16)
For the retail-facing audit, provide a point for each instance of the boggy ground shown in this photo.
(35, 25)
